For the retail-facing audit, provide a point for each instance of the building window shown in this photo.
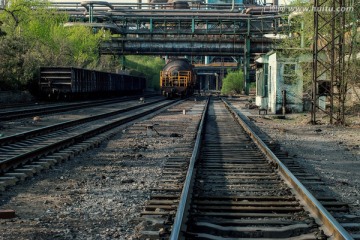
(289, 73)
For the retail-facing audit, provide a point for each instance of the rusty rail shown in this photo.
(330, 225)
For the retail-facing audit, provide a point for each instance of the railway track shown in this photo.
(23, 154)
(318, 188)
(232, 188)
(16, 105)
(21, 111)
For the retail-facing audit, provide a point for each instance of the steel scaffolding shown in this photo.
(328, 60)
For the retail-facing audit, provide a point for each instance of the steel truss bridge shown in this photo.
(189, 28)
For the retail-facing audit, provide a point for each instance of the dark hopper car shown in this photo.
(70, 82)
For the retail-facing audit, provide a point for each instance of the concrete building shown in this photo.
(279, 83)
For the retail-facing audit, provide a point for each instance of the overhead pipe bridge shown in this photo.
(197, 29)
(181, 46)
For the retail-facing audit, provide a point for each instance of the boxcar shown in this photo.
(70, 82)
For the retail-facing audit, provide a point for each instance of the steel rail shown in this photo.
(44, 130)
(28, 156)
(185, 194)
(16, 105)
(10, 115)
(33, 109)
(330, 225)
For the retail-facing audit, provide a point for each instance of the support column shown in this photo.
(247, 60)
(122, 61)
(207, 58)
(91, 13)
(247, 65)
(192, 25)
(151, 25)
(217, 81)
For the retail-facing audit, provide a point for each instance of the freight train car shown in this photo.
(177, 78)
(70, 82)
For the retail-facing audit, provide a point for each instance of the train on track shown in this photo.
(75, 83)
(177, 78)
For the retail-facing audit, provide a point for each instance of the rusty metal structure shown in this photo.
(191, 28)
(156, 28)
(328, 60)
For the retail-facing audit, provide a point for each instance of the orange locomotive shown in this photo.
(177, 79)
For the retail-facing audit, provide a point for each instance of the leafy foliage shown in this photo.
(12, 59)
(298, 25)
(147, 66)
(33, 35)
(233, 82)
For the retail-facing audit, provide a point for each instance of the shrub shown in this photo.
(233, 82)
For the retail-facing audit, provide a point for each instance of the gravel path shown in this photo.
(96, 195)
(99, 194)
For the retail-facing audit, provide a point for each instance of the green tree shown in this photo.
(298, 27)
(33, 35)
(148, 67)
(12, 59)
(233, 82)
